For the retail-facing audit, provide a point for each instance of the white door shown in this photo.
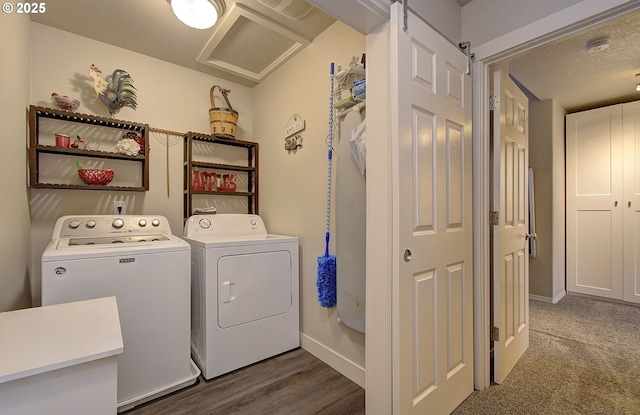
(631, 208)
(594, 202)
(432, 220)
(510, 243)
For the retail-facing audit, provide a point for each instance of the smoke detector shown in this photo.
(598, 45)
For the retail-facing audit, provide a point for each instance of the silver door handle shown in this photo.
(407, 255)
(615, 204)
(532, 236)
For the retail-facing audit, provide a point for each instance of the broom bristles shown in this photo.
(326, 282)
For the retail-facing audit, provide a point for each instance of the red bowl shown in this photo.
(96, 177)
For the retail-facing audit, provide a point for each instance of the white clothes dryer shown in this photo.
(245, 300)
(137, 260)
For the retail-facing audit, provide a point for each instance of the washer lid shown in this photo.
(62, 249)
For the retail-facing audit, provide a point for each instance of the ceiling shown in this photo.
(565, 71)
(253, 38)
(250, 40)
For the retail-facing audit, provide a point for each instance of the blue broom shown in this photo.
(326, 282)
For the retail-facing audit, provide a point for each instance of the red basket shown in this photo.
(96, 177)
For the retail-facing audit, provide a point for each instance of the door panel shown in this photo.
(433, 270)
(510, 247)
(594, 202)
(631, 201)
(253, 286)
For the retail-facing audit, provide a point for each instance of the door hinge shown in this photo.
(494, 102)
(495, 334)
(494, 217)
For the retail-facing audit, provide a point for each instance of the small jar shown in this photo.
(63, 140)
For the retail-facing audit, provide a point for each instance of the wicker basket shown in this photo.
(96, 177)
(223, 121)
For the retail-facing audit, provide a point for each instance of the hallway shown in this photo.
(583, 359)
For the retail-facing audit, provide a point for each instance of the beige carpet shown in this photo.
(583, 358)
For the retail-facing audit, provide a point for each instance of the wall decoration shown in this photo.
(292, 139)
(116, 93)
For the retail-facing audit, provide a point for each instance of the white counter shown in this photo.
(60, 359)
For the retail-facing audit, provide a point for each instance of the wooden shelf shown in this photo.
(90, 187)
(100, 126)
(218, 166)
(87, 119)
(221, 140)
(212, 192)
(249, 169)
(92, 153)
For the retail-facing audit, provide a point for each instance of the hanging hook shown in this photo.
(466, 48)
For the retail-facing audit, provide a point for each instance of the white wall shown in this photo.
(14, 205)
(169, 97)
(293, 185)
(558, 202)
(443, 15)
(484, 20)
(546, 137)
(500, 28)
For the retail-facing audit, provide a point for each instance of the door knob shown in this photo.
(407, 255)
(533, 236)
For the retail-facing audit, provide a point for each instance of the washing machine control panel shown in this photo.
(92, 226)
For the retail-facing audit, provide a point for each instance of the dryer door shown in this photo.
(253, 286)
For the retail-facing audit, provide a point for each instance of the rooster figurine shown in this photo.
(117, 93)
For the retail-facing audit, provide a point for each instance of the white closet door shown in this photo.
(594, 202)
(432, 220)
(631, 202)
(510, 243)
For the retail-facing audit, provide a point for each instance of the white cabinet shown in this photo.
(60, 359)
(603, 225)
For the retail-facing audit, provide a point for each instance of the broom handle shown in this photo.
(330, 157)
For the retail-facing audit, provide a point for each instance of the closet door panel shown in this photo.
(594, 147)
(594, 202)
(631, 208)
(593, 255)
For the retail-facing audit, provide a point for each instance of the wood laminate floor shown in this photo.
(293, 383)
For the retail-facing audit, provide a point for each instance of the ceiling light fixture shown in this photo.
(598, 45)
(638, 84)
(199, 14)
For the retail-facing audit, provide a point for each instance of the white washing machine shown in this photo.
(137, 260)
(245, 300)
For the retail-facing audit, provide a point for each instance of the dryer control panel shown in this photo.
(225, 224)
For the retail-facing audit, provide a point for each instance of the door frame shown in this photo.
(541, 32)
(378, 343)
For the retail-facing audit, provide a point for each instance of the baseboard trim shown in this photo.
(559, 296)
(540, 298)
(346, 367)
(553, 300)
